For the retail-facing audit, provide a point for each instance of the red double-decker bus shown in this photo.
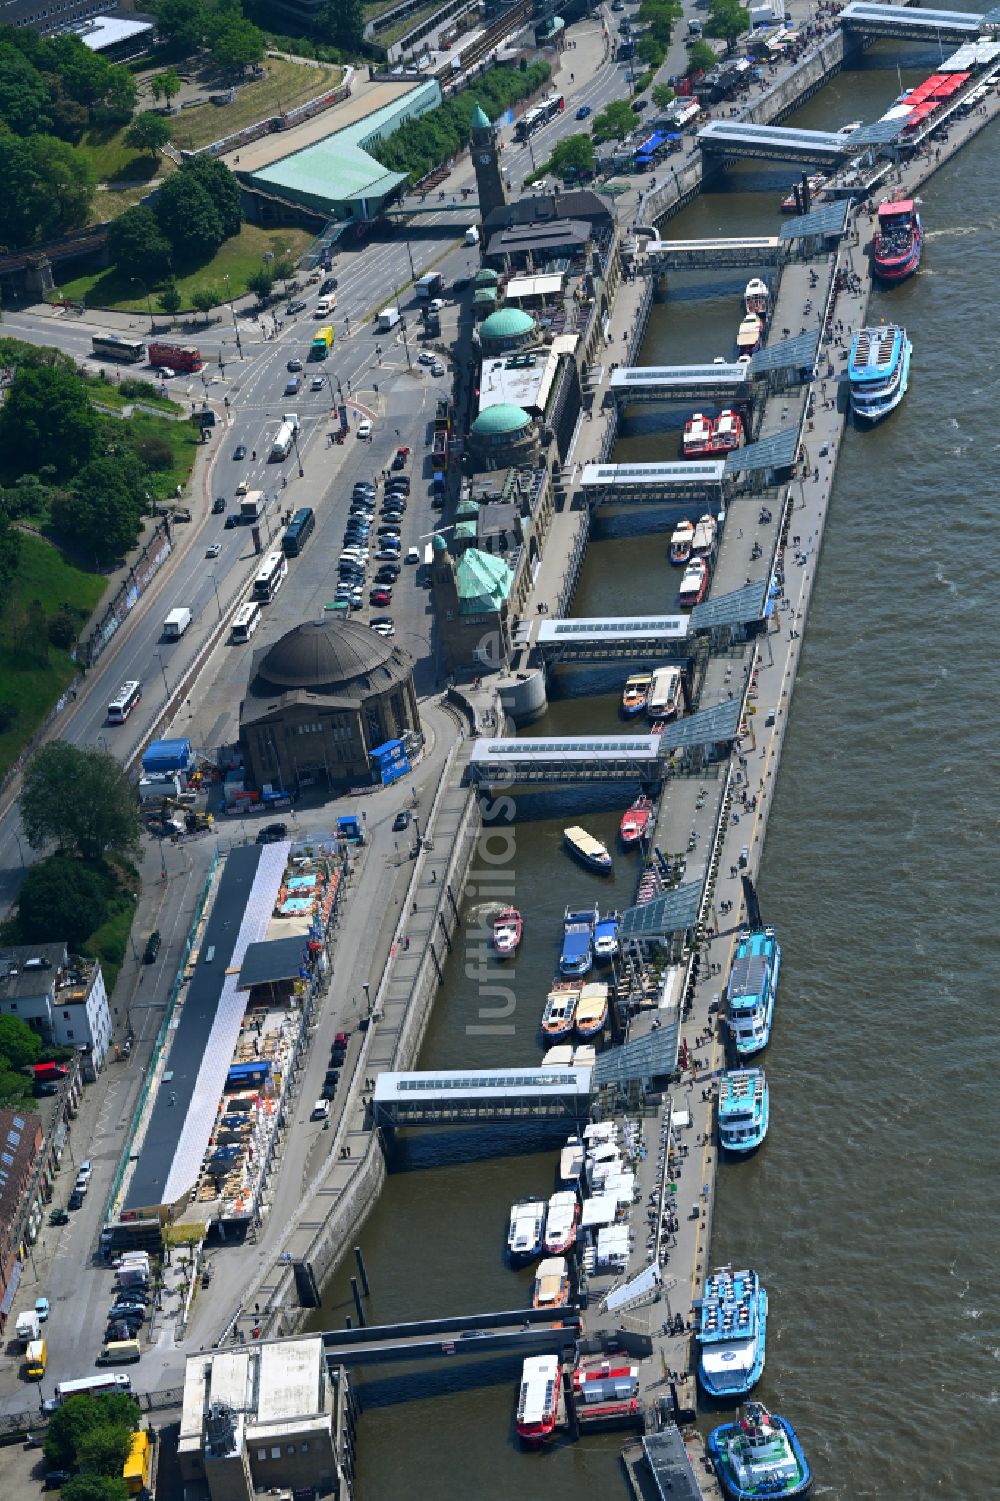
(175, 356)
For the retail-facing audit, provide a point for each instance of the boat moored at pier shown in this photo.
(727, 432)
(506, 932)
(705, 534)
(694, 584)
(551, 1289)
(561, 1219)
(577, 955)
(878, 370)
(757, 297)
(731, 1333)
(538, 1399)
(592, 1009)
(750, 335)
(635, 822)
(588, 850)
(751, 989)
(759, 1455)
(680, 543)
(697, 436)
(571, 1160)
(665, 692)
(606, 937)
(744, 1109)
(898, 242)
(635, 694)
(560, 1011)
(526, 1231)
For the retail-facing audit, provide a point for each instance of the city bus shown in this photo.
(271, 577)
(298, 532)
(176, 356)
(114, 347)
(532, 120)
(101, 1381)
(246, 620)
(124, 702)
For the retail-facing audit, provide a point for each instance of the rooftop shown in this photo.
(523, 382)
(503, 417)
(273, 1382)
(483, 582)
(507, 323)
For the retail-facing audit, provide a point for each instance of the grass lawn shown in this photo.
(286, 86)
(108, 393)
(183, 440)
(103, 146)
(29, 683)
(238, 258)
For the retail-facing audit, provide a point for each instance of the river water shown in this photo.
(871, 1211)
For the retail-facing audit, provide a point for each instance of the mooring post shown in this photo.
(357, 1302)
(361, 1270)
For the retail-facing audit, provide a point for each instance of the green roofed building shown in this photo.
(502, 435)
(508, 329)
(472, 601)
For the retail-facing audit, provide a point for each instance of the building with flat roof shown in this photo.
(62, 998)
(267, 1416)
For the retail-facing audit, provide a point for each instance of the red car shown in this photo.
(380, 597)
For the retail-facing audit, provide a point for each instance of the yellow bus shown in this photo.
(136, 1469)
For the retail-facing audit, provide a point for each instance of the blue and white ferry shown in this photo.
(744, 1108)
(577, 955)
(731, 1333)
(878, 370)
(753, 983)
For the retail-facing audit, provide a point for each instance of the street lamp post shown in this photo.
(236, 327)
(166, 685)
(218, 601)
(295, 440)
(406, 344)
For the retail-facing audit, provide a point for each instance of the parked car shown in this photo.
(328, 1091)
(86, 1169)
(386, 555)
(56, 1478)
(58, 1217)
(152, 947)
(272, 833)
(75, 1199)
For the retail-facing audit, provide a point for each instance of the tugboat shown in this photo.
(694, 583)
(560, 1222)
(744, 1109)
(506, 932)
(727, 432)
(538, 1399)
(899, 240)
(731, 1333)
(635, 694)
(697, 436)
(878, 370)
(759, 1455)
(606, 940)
(588, 850)
(680, 543)
(635, 822)
(524, 1236)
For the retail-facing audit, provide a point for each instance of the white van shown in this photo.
(325, 305)
(472, 235)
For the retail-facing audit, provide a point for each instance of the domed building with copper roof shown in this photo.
(320, 700)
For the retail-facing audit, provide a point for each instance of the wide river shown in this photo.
(871, 1212)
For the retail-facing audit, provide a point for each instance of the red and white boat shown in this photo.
(538, 1399)
(750, 336)
(727, 432)
(560, 1222)
(705, 533)
(680, 542)
(506, 932)
(899, 238)
(697, 436)
(757, 297)
(694, 584)
(635, 821)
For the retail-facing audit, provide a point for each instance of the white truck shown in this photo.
(431, 285)
(251, 507)
(28, 1327)
(387, 319)
(282, 444)
(177, 623)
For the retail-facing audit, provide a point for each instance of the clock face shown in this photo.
(484, 159)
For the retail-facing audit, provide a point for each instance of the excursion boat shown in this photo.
(551, 1289)
(571, 1160)
(694, 583)
(697, 436)
(744, 1108)
(606, 939)
(757, 297)
(731, 1333)
(750, 335)
(759, 1455)
(507, 932)
(878, 370)
(527, 1226)
(577, 954)
(561, 1219)
(665, 693)
(606, 1391)
(560, 1011)
(705, 533)
(680, 542)
(899, 240)
(538, 1399)
(592, 1010)
(635, 694)
(751, 989)
(635, 822)
(588, 850)
(727, 432)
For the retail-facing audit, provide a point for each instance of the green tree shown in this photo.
(727, 20)
(170, 299)
(223, 189)
(181, 21)
(155, 452)
(79, 800)
(67, 1426)
(571, 156)
(344, 22)
(189, 218)
(615, 122)
(47, 411)
(700, 57)
(104, 511)
(46, 188)
(663, 95)
(10, 552)
(104, 1450)
(238, 44)
(137, 245)
(204, 299)
(20, 1045)
(60, 898)
(148, 132)
(24, 95)
(95, 1488)
(283, 269)
(261, 283)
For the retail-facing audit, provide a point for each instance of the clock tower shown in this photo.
(486, 160)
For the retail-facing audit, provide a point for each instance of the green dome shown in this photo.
(439, 544)
(508, 323)
(505, 417)
(480, 119)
